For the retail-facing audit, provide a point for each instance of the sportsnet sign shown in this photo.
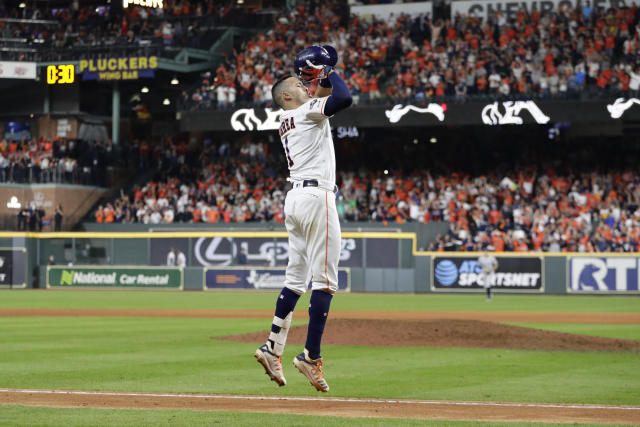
(115, 277)
(604, 274)
(258, 278)
(459, 273)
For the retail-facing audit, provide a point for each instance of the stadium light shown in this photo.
(433, 140)
(144, 89)
(175, 81)
(166, 101)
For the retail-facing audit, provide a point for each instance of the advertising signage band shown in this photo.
(486, 113)
(115, 277)
(488, 8)
(223, 251)
(462, 273)
(127, 68)
(603, 274)
(258, 278)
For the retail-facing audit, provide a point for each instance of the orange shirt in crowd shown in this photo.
(213, 215)
(108, 215)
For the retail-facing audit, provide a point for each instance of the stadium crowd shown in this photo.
(549, 208)
(565, 52)
(41, 31)
(56, 160)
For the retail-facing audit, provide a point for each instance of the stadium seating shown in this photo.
(564, 53)
(548, 207)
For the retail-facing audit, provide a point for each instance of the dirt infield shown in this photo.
(343, 407)
(447, 333)
(465, 329)
(490, 316)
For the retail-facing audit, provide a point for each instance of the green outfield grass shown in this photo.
(22, 415)
(265, 300)
(179, 355)
(625, 332)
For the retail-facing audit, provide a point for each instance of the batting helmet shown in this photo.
(310, 62)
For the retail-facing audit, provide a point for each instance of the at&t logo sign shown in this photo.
(446, 273)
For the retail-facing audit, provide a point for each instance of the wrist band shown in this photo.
(325, 83)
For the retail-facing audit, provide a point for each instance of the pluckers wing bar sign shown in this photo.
(127, 68)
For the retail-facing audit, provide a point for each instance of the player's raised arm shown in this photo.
(340, 97)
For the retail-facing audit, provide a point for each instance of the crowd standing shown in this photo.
(58, 160)
(566, 52)
(43, 31)
(543, 208)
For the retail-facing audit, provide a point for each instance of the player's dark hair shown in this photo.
(276, 92)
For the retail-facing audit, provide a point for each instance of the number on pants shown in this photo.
(287, 152)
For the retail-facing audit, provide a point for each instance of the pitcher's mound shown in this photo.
(446, 333)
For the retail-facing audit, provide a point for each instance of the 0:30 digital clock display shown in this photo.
(61, 74)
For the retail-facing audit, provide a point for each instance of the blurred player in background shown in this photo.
(489, 265)
(311, 217)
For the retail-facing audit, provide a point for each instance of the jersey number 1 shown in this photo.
(287, 152)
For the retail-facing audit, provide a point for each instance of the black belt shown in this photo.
(310, 183)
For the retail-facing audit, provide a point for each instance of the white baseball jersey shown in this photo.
(310, 212)
(306, 137)
(488, 264)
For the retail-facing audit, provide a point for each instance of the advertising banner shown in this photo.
(462, 273)
(386, 11)
(17, 70)
(258, 278)
(13, 268)
(603, 274)
(486, 8)
(224, 251)
(516, 112)
(114, 277)
(127, 68)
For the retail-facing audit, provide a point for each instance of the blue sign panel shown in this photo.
(604, 274)
(258, 278)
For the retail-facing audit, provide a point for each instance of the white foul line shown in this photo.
(326, 399)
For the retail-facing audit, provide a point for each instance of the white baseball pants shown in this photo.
(312, 222)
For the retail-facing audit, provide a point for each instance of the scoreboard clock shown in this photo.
(61, 74)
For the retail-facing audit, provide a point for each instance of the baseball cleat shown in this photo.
(312, 369)
(272, 364)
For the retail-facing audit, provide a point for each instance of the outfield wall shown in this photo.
(370, 261)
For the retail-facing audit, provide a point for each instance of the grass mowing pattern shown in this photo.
(64, 417)
(177, 355)
(266, 300)
(625, 332)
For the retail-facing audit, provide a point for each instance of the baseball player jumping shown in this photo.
(489, 265)
(310, 211)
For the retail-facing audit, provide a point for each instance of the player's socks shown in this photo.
(285, 304)
(318, 312)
